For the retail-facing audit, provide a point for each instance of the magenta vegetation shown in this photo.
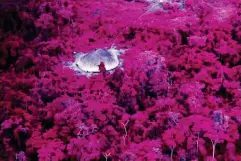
(175, 97)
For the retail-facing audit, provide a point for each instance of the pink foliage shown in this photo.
(45, 21)
(53, 150)
(176, 94)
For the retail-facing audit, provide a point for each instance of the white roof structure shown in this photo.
(89, 62)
